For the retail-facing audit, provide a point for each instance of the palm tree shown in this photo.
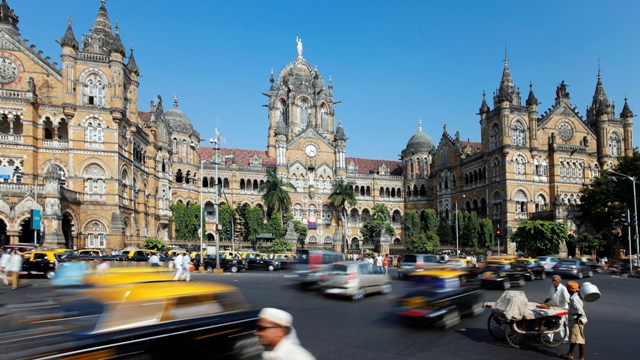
(275, 195)
(341, 194)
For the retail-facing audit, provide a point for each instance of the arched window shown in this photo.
(519, 167)
(324, 117)
(326, 214)
(179, 176)
(93, 92)
(94, 176)
(95, 231)
(541, 203)
(496, 202)
(297, 211)
(303, 112)
(518, 132)
(520, 200)
(354, 216)
(283, 111)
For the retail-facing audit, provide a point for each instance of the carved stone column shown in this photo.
(52, 216)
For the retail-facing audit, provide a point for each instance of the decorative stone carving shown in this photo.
(94, 171)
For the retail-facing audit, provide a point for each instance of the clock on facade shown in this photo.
(8, 71)
(565, 130)
(311, 150)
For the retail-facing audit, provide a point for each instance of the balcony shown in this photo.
(16, 94)
(10, 138)
(57, 144)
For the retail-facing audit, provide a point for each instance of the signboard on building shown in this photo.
(6, 173)
(35, 219)
(312, 221)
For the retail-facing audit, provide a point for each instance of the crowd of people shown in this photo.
(10, 267)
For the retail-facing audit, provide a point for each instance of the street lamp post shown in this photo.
(193, 146)
(635, 217)
(216, 142)
(498, 236)
(457, 242)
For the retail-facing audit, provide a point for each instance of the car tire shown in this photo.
(590, 274)
(234, 269)
(580, 276)
(449, 320)
(271, 268)
(477, 309)
(386, 289)
(209, 268)
(358, 295)
(543, 276)
(50, 274)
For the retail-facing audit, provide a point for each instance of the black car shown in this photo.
(227, 264)
(258, 262)
(501, 275)
(441, 297)
(531, 268)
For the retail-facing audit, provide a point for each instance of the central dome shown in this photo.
(419, 142)
(177, 120)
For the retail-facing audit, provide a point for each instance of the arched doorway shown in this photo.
(67, 229)
(26, 233)
(4, 237)
(210, 237)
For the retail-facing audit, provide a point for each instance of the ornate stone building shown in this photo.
(104, 173)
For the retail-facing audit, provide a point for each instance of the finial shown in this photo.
(175, 101)
(506, 58)
(69, 21)
(419, 125)
(117, 27)
(530, 85)
(444, 128)
(271, 71)
(484, 95)
(598, 68)
(299, 41)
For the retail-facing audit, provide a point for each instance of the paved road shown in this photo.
(341, 329)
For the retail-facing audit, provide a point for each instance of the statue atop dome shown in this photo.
(299, 41)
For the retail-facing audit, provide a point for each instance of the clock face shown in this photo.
(8, 71)
(565, 130)
(311, 150)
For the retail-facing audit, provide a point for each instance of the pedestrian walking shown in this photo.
(4, 261)
(559, 296)
(385, 264)
(275, 332)
(577, 320)
(177, 263)
(379, 261)
(154, 260)
(186, 264)
(14, 267)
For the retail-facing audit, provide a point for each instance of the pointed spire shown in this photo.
(117, 46)
(100, 39)
(600, 103)
(531, 99)
(484, 108)
(626, 111)
(131, 65)
(69, 38)
(8, 19)
(175, 101)
(507, 90)
(340, 132)
(271, 80)
(330, 84)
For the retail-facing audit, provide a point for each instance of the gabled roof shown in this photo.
(368, 166)
(242, 157)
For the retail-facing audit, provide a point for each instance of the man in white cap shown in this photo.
(274, 331)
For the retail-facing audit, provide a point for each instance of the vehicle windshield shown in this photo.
(524, 262)
(567, 262)
(338, 269)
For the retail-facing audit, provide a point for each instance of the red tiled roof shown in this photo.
(474, 146)
(242, 156)
(145, 116)
(367, 166)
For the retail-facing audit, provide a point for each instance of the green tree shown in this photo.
(381, 212)
(280, 246)
(470, 229)
(536, 237)
(444, 231)
(430, 222)
(423, 243)
(186, 220)
(412, 226)
(301, 229)
(485, 233)
(154, 244)
(591, 243)
(342, 194)
(254, 223)
(274, 225)
(274, 193)
(225, 214)
(373, 228)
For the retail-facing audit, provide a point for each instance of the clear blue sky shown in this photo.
(392, 62)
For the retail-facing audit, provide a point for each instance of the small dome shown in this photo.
(420, 142)
(177, 120)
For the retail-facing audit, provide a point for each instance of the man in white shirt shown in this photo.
(275, 332)
(4, 261)
(177, 263)
(559, 296)
(186, 264)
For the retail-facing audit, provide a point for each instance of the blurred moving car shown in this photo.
(411, 263)
(499, 274)
(354, 279)
(226, 263)
(142, 320)
(441, 297)
(530, 268)
(42, 262)
(572, 267)
(548, 262)
(260, 262)
(311, 265)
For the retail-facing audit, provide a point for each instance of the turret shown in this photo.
(341, 150)
(507, 92)
(134, 73)
(627, 122)
(69, 56)
(532, 105)
(100, 39)
(8, 19)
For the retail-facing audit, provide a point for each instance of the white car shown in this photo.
(354, 279)
(548, 262)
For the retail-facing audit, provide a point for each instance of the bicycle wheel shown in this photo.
(514, 338)
(496, 327)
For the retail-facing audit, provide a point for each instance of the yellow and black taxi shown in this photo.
(136, 254)
(42, 262)
(498, 273)
(150, 320)
(531, 268)
(440, 297)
